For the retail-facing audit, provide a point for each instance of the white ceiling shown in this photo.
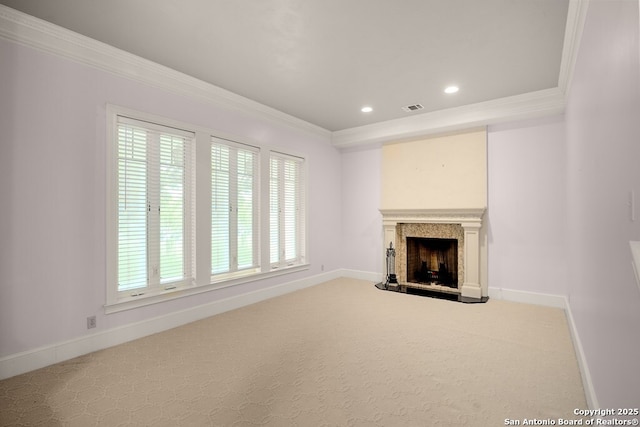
(322, 60)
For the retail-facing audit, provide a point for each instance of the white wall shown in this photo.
(52, 194)
(526, 218)
(603, 155)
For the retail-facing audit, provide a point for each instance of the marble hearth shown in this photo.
(463, 225)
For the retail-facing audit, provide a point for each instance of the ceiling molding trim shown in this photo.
(520, 107)
(576, 17)
(47, 37)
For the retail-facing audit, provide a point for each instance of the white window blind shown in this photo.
(151, 208)
(155, 206)
(234, 207)
(286, 199)
(132, 208)
(220, 209)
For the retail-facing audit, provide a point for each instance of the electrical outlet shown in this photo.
(322, 267)
(91, 322)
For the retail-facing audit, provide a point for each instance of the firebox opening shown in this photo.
(432, 261)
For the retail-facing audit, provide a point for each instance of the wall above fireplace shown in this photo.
(445, 172)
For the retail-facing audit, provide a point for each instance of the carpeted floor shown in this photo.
(338, 354)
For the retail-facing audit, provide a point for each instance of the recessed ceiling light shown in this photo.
(366, 109)
(451, 89)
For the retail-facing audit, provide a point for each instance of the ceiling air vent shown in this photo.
(412, 108)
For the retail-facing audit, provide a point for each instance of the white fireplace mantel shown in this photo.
(471, 222)
(435, 216)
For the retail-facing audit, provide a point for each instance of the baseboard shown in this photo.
(587, 383)
(361, 275)
(547, 300)
(557, 301)
(30, 360)
(27, 361)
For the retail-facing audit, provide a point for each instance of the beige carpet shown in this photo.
(338, 354)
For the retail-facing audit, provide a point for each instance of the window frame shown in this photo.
(234, 269)
(300, 236)
(201, 225)
(153, 194)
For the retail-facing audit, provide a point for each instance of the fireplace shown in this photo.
(438, 251)
(432, 261)
(436, 188)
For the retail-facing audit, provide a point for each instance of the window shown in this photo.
(154, 192)
(286, 206)
(189, 212)
(234, 208)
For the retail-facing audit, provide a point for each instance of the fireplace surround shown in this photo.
(460, 225)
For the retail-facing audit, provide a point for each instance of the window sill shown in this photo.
(168, 295)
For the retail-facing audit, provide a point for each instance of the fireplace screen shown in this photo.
(432, 261)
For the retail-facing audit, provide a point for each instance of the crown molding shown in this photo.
(44, 36)
(519, 107)
(576, 17)
(50, 38)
